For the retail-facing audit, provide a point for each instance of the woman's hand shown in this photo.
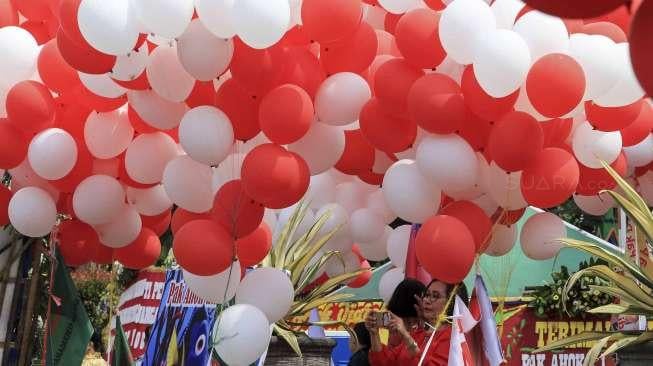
(419, 307)
(396, 324)
(371, 321)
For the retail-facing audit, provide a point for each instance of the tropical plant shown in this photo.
(628, 281)
(303, 258)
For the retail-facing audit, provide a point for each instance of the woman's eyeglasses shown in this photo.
(432, 296)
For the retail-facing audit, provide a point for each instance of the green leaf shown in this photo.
(577, 338)
(616, 346)
(594, 352)
(289, 337)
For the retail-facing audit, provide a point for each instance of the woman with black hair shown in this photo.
(415, 340)
(359, 346)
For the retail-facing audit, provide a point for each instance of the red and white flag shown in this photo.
(463, 321)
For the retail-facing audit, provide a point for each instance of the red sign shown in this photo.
(137, 308)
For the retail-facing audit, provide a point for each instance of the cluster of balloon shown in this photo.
(208, 117)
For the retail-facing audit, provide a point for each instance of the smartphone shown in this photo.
(383, 319)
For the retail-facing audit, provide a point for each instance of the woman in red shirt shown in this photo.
(414, 341)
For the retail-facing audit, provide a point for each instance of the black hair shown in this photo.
(362, 335)
(461, 292)
(402, 303)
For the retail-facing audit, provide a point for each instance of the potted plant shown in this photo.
(629, 282)
(303, 258)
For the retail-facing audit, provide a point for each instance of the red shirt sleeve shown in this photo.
(387, 356)
(438, 353)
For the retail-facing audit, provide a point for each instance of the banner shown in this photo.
(137, 308)
(181, 334)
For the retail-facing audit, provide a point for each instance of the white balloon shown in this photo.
(243, 335)
(166, 18)
(32, 212)
(19, 54)
(640, 154)
(340, 98)
(338, 218)
(321, 190)
(108, 135)
(228, 170)
(148, 155)
(52, 153)
(122, 230)
(149, 201)
(400, 6)
(261, 24)
(397, 245)
(505, 12)
(450, 68)
(389, 282)
(486, 203)
(505, 188)
(374, 16)
(461, 25)
(448, 161)
(24, 176)
(321, 147)
(502, 241)
(627, 89)
(351, 195)
(523, 104)
(599, 57)
(347, 263)
(206, 134)
(479, 187)
(109, 26)
(167, 76)
(130, 66)
(376, 202)
(270, 218)
(188, 184)
(102, 85)
(597, 205)
(590, 146)
(269, 289)
(501, 62)
(539, 236)
(217, 16)
(156, 111)
(216, 289)
(377, 249)
(202, 54)
(543, 33)
(98, 199)
(366, 225)
(408, 194)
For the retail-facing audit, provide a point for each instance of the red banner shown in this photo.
(137, 308)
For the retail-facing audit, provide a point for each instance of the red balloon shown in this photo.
(5, 197)
(418, 38)
(509, 218)
(371, 178)
(363, 278)
(30, 106)
(13, 145)
(435, 4)
(142, 252)
(83, 57)
(33, 9)
(257, 71)
(445, 248)
(436, 104)
(77, 242)
(481, 103)
(54, 70)
(556, 131)
(181, 217)
(390, 22)
(476, 131)
(203, 248)
(620, 16)
(641, 54)
(302, 68)
(235, 211)
(353, 54)
(103, 254)
(607, 29)
(577, 9)
(296, 36)
(8, 14)
(138, 83)
(331, 21)
(124, 178)
(593, 181)
(159, 223)
(640, 128)
(253, 248)
(474, 218)
(98, 103)
(358, 156)
(203, 93)
(393, 81)
(68, 18)
(550, 179)
(387, 44)
(240, 107)
(370, 73)
(555, 85)
(71, 115)
(138, 123)
(285, 114)
(385, 131)
(38, 29)
(515, 141)
(274, 176)
(82, 169)
(612, 118)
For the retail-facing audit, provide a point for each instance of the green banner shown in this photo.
(120, 354)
